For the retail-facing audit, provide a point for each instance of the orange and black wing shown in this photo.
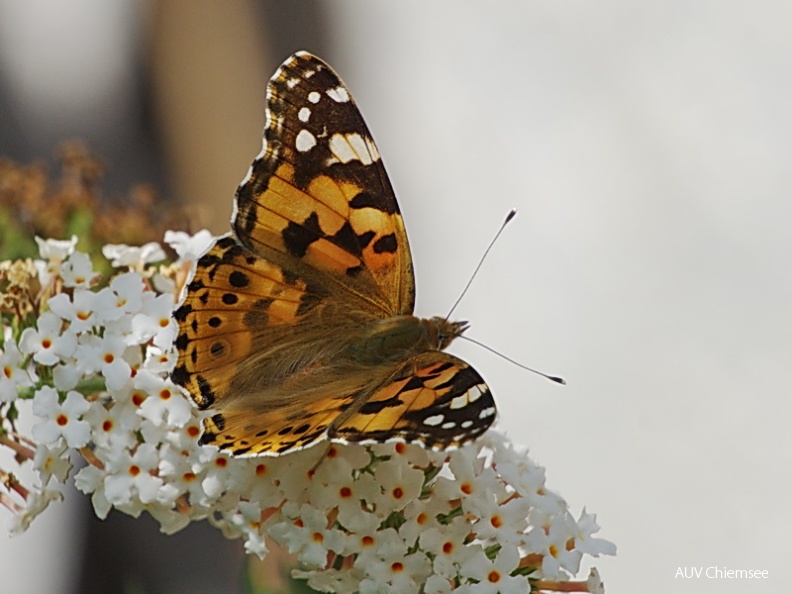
(317, 199)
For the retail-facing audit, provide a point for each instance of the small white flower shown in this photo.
(164, 403)
(78, 271)
(159, 361)
(400, 485)
(585, 542)
(217, 473)
(52, 462)
(91, 479)
(437, 584)
(56, 250)
(170, 521)
(503, 523)
(248, 520)
(421, 515)
(189, 247)
(105, 355)
(123, 296)
(36, 502)
(549, 539)
(43, 272)
(258, 480)
(45, 342)
(111, 428)
(155, 321)
(403, 574)
(80, 311)
(305, 532)
(384, 543)
(447, 546)
(131, 476)
(493, 575)
(133, 256)
(12, 376)
(335, 485)
(471, 481)
(365, 534)
(65, 377)
(528, 479)
(61, 420)
(183, 474)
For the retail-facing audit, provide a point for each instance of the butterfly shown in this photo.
(297, 326)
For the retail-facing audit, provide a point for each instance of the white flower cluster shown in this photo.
(381, 518)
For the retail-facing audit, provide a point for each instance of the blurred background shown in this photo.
(647, 148)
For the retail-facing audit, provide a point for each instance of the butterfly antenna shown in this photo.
(509, 217)
(553, 378)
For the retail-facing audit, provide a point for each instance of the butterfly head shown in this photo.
(445, 331)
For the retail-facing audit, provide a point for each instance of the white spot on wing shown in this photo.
(460, 401)
(314, 97)
(341, 149)
(487, 412)
(361, 148)
(292, 82)
(372, 149)
(449, 425)
(305, 141)
(466, 424)
(304, 114)
(476, 392)
(433, 420)
(351, 147)
(339, 95)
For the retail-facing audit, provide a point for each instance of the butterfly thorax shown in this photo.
(399, 337)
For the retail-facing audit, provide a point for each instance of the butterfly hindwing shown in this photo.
(233, 296)
(437, 400)
(318, 192)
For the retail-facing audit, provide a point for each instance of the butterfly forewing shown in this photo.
(318, 193)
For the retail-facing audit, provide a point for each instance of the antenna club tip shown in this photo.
(558, 380)
(511, 215)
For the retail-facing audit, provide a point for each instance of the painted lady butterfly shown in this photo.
(297, 326)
